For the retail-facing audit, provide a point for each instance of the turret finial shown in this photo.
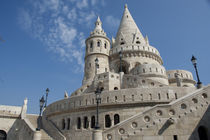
(147, 39)
(126, 6)
(66, 95)
(98, 19)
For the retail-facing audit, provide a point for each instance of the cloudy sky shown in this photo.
(42, 42)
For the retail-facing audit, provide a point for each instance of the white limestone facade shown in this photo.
(140, 98)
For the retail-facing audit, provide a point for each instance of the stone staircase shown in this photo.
(33, 120)
(160, 117)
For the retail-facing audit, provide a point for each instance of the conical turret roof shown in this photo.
(128, 31)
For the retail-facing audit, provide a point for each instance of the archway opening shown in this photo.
(202, 132)
(108, 121)
(3, 135)
(63, 124)
(86, 122)
(78, 123)
(124, 69)
(116, 119)
(93, 122)
(115, 88)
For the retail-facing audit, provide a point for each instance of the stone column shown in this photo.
(97, 135)
(37, 135)
(121, 79)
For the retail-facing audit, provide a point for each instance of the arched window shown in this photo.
(202, 133)
(122, 43)
(115, 98)
(107, 99)
(124, 98)
(132, 97)
(176, 96)
(93, 122)
(167, 95)
(144, 71)
(105, 45)
(115, 88)
(78, 123)
(91, 44)
(68, 124)
(98, 43)
(107, 121)
(3, 135)
(63, 124)
(116, 119)
(86, 122)
(159, 97)
(150, 96)
(150, 69)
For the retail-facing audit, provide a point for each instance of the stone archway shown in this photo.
(202, 133)
(3, 135)
(125, 67)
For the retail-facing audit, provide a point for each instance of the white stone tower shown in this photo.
(97, 46)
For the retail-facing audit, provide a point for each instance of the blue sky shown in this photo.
(44, 46)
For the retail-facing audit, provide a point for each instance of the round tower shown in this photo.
(134, 47)
(97, 46)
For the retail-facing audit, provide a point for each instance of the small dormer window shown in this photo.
(138, 42)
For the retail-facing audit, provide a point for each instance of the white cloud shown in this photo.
(57, 24)
(112, 21)
(86, 18)
(72, 15)
(25, 20)
(93, 2)
(82, 4)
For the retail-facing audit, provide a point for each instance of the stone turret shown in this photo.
(135, 48)
(97, 46)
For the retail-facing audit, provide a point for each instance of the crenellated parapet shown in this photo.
(181, 77)
(146, 75)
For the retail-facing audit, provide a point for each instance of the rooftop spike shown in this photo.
(147, 39)
(66, 95)
(98, 24)
(98, 19)
(126, 6)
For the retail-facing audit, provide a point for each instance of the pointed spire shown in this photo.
(25, 101)
(98, 25)
(126, 6)
(98, 30)
(128, 28)
(66, 95)
(147, 40)
(113, 40)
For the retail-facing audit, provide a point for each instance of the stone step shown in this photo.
(33, 119)
(45, 136)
